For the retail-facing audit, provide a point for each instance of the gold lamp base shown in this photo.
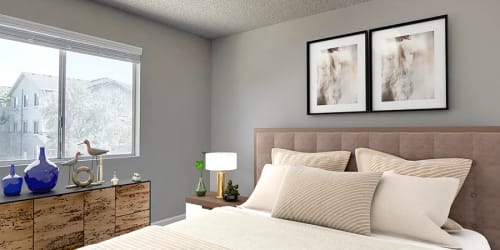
(221, 180)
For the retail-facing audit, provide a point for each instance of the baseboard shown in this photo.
(170, 220)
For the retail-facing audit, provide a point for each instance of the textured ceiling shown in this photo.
(216, 18)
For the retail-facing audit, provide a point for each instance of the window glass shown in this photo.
(24, 70)
(99, 103)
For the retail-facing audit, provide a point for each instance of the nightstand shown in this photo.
(199, 205)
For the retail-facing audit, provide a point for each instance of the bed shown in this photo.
(475, 207)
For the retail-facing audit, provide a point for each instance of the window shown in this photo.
(25, 100)
(35, 127)
(25, 127)
(36, 99)
(14, 100)
(99, 101)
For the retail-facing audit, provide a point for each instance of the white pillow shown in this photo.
(266, 191)
(414, 207)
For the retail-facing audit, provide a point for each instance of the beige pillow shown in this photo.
(414, 207)
(333, 160)
(339, 200)
(266, 191)
(369, 160)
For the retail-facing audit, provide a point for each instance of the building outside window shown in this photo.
(99, 102)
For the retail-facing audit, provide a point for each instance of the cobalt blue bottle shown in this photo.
(41, 175)
(12, 183)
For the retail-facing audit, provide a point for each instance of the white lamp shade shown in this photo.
(220, 161)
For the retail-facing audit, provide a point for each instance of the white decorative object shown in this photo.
(115, 180)
(136, 177)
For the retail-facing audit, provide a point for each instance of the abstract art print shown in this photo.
(408, 66)
(337, 74)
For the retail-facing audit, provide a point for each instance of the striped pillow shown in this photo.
(339, 200)
(369, 160)
(333, 160)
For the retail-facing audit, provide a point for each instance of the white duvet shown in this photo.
(238, 228)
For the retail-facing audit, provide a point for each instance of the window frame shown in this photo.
(20, 30)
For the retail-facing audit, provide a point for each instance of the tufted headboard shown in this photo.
(477, 206)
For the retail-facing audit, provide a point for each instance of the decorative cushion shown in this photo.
(339, 200)
(414, 207)
(265, 192)
(333, 160)
(369, 160)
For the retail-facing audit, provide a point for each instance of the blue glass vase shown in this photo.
(12, 183)
(41, 175)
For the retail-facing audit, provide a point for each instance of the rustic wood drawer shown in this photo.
(16, 225)
(99, 215)
(58, 222)
(131, 222)
(132, 198)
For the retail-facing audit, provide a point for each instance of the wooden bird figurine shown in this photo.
(93, 151)
(72, 162)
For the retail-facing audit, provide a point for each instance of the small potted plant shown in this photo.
(200, 188)
(231, 193)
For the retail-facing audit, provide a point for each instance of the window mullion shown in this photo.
(62, 101)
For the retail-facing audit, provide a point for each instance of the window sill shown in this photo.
(24, 163)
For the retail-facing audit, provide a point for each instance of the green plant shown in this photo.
(231, 190)
(200, 165)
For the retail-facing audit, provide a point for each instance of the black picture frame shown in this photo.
(344, 43)
(417, 90)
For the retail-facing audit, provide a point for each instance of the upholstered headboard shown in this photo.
(478, 203)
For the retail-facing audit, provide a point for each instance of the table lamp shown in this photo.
(220, 161)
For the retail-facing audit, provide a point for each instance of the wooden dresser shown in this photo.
(67, 219)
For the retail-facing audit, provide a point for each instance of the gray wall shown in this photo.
(259, 77)
(175, 93)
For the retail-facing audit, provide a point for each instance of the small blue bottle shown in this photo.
(12, 183)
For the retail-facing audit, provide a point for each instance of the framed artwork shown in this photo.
(336, 74)
(409, 66)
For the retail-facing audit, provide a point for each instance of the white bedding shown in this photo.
(257, 230)
(469, 239)
(237, 228)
